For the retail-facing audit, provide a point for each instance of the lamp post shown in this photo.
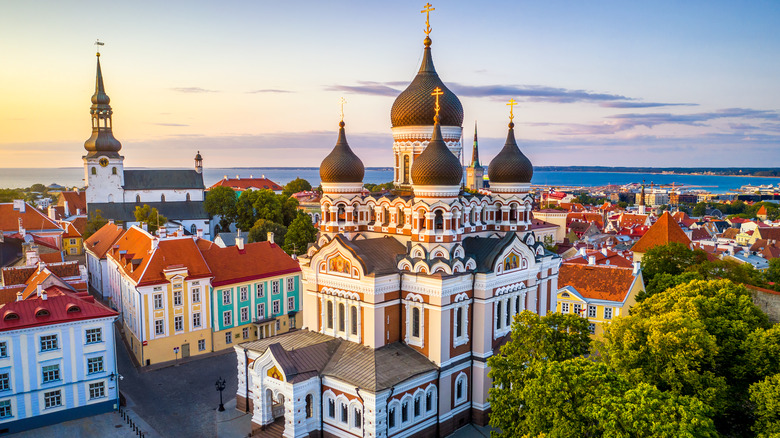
(220, 385)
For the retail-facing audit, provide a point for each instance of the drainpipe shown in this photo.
(387, 403)
(322, 407)
(363, 413)
(246, 380)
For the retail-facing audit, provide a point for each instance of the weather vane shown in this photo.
(436, 93)
(342, 101)
(512, 104)
(427, 11)
(98, 44)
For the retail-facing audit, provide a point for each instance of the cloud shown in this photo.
(192, 90)
(268, 90)
(366, 87)
(169, 124)
(642, 104)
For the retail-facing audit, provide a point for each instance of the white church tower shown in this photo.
(103, 166)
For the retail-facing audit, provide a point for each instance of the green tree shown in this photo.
(289, 210)
(95, 222)
(699, 209)
(663, 281)
(151, 217)
(300, 234)
(741, 273)
(221, 201)
(8, 195)
(268, 206)
(765, 395)
(773, 272)
(261, 228)
(762, 348)
(245, 210)
(295, 186)
(673, 258)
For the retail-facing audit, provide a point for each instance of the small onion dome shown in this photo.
(414, 106)
(198, 157)
(342, 165)
(436, 165)
(100, 97)
(510, 165)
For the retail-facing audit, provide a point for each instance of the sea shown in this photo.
(74, 177)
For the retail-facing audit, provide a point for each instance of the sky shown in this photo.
(257, 83)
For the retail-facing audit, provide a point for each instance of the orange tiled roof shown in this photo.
(612, 258)
(32, 219)
(256, 260)
(761, 211)
(101, 241)
(80, 223)
(771, 233)
(628, 220)
(77, 200)
(248, 183)
(597, 282)
(51, 257)
(730, 233)
(664, 231)
(700, 234)
(70, 230)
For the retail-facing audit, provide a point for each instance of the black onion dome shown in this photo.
(436, 165)
(342, 165)
(414, 106)
(102, 140)
(510, 165)
(100, 97)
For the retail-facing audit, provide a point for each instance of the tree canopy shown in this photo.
(765, 395)
(300, 234)
(295, 186)
(94, 223)
(261, 228)
(221, 201)
(151, 217)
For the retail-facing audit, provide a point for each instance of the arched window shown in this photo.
(401, 219)
(353, 314)
(330, 314)
(385, 216)
(429, 401)
(508, 312)
(188, 197)
(459, 322)
(391, 417)
(341, 317)
(460, 389)
(193, 228)
(438, 220)
(137, 198)
(162, 198)
(513, 213)
(406, 169)
(404, 412)
(416, 322)
(113, 171)
(110, 199)
(417, 406)
(517, 304)
(358, 418)
(309, 406)
(94, 170)
(341, 215)
(498, 315)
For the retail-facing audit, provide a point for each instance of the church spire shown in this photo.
(102, 141)
(475, 151)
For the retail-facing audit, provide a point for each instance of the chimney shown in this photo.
(65, 209)
(52, 213)
(39, 290)
(200, 233)
(271, 237)
(155, 243)
(240, 243)
(604, 251)
(591, 260)
(162, 232)
(43, 295)
(144, 226)
(19, 296)
(32, 255)
(637, 267)
(583, 251)
(22, 232)
(78, 212)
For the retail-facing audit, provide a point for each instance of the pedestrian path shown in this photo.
(233, 423)
(109, 425)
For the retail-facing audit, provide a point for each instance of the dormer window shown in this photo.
(10, 316)
(72, 308)
(41, 313)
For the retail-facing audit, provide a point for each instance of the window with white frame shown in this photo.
(591, 311)
(344, 413)
(460, 388)
(49, 343)
(229, 338)
(592, 328)
(332, 408)
(278, 325)
(3, 349)
(607, 313)
(564, 307)
(261, 311)
(245, 332)
(195, 294)
(391, 417)
(290, 284)
(5, 409)
(577, 309)
(97, 390)
(243, 293)
(357, 418)
(177, 301)
(201, 345)
(196, 319)
(290, 304)
(508, 313)
(405, 411)
(417, 406)
(95, 365)
(499, 314)
(260, 287)
(429, 401)
(277, 307)
(178, 323)
(461, 323)
(329, 315)
(353, 320)
(51, 373)
(415, 322)
(244, 314)
(227, 318)
(5, 382)
(159, 327)
(158, 301)
(94, 335)
(52, 399)
(226, 295)
(275, 287)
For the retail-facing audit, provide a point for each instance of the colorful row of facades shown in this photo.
(180, 295)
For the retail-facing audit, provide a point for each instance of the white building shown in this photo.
(95, 248)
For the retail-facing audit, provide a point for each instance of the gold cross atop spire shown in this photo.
(427, 11)
(512, 104)
(342, 101)
(436, 93)
(98, 44)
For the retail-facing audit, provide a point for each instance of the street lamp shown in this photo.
(220, 385)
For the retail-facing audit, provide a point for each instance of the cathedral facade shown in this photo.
(406, 295)
(115, 191)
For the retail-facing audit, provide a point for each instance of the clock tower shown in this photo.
(103, 166)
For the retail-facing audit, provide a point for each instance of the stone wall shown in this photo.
(768, 301)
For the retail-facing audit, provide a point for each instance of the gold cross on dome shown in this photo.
(342, 101)
(98, 44)
(512, 104)
(436, 93)
(427, 11)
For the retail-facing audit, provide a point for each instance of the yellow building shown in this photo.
(599, 293)
(162, 288)
(72, 242)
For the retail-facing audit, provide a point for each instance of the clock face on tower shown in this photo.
(103, 162)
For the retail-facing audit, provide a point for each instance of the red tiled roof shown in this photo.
(61, 306)
(627, 219)
(597, 282)
(32, 219)
(664, 231)
(101, 241)
(680, 216)
(80, 223)
(730, 233)
(761, 211)
(612, 258)
(771, 233)
(21, 274)
(70, 230)
(700, 234)
(51, 257)
(256, 260)
(587, 217)
(76, 200)
(248, 183)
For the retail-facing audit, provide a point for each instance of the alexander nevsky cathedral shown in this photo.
(406, 295)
